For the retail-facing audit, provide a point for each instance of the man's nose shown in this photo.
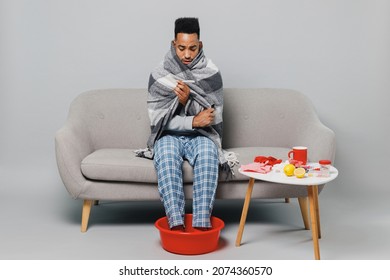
(187, 54)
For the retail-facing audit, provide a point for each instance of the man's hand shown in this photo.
(182, 91)
(204, 118)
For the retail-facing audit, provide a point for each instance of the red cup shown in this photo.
(299, 153)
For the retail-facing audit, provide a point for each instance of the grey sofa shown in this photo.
(95, 147)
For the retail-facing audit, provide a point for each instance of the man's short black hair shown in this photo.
(187, 25)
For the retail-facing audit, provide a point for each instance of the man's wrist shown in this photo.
(194, 123)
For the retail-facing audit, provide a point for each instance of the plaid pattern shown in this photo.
(202, 155)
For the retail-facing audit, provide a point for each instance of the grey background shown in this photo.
(336, 52)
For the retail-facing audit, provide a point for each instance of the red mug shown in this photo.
(299, 154)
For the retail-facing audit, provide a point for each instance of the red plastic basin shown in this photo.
(191, 241)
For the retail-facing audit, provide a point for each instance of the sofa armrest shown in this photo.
(72, 145)
(320, 141)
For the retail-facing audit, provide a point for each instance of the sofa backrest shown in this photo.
(117, 118)
(114, 118)
(265, 117)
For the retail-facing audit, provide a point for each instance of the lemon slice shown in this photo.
(300, 172)
(289, 169)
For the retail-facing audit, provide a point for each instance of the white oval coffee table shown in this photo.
(276, 175)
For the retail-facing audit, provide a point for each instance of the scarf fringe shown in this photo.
(228, 166)
(144, 153)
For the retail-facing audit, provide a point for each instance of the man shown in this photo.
(185, 105)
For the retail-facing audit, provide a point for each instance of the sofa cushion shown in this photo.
(123, 165)
(118, 165)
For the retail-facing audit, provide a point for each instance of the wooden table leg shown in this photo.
(317, 212)
(245, 211)
(314, 214)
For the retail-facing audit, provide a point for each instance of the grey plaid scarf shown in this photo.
(206, 91)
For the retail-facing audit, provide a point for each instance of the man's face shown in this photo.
(187, 46)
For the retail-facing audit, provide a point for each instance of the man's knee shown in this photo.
(207, 149)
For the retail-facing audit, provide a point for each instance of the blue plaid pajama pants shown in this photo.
(169, 153)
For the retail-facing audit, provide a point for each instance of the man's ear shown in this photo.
(200, 44)
(174, 43)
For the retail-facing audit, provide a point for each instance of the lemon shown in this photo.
(300, 172)
(289, 169)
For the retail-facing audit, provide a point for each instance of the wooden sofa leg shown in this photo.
(87, 205)
(287, 200)
(303, 204)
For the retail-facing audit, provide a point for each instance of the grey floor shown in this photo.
(39, 220)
